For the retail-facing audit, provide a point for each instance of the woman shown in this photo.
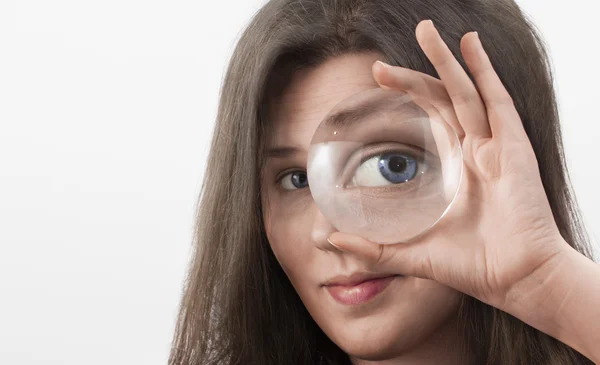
(497, 281)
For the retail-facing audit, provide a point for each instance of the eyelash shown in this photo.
(285, 174)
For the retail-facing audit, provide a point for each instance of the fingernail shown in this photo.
(383, 64)
(480, 48)
(430, 22)
(334, 245)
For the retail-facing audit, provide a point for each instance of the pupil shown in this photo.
(397, 164)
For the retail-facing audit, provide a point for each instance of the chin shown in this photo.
(390, 333)
(371, 340)
(371, 349)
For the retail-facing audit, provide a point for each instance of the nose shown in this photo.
(321, 230)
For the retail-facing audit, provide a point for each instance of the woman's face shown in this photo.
(378, 319)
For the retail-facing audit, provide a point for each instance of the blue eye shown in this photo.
(295, 180)
(388, 169)
(397, 168)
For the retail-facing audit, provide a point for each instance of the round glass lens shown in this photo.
(384, 165)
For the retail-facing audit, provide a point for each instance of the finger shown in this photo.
(408, 259)
(503, 117)
(420, 85)
(410, 80)
(465, 97)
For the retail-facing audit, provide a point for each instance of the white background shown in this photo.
(106, 109)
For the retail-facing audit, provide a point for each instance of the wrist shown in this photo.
(560, 299)
(543, 286)
(535, 297)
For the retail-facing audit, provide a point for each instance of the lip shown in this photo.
(358, 288)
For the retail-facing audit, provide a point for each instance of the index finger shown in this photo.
(467, 102)
(420, 85)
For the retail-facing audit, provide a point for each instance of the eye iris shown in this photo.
(299, 180)
(397, 168)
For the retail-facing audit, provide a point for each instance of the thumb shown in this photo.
(408, 259)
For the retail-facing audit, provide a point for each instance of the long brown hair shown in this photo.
(238, 305)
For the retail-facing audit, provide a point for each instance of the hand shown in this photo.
(500, 229)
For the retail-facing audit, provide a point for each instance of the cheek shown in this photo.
(288, 225)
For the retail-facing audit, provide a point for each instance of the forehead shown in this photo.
(313, 92)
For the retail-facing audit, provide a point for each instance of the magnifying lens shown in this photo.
(384, 165)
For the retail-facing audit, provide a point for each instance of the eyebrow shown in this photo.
(347, 117)
(282, 151)
(343, 118)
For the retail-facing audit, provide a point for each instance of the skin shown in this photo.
(412, 320)
(499, 243)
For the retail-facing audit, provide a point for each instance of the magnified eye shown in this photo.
(294, 180)
(387, 169)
